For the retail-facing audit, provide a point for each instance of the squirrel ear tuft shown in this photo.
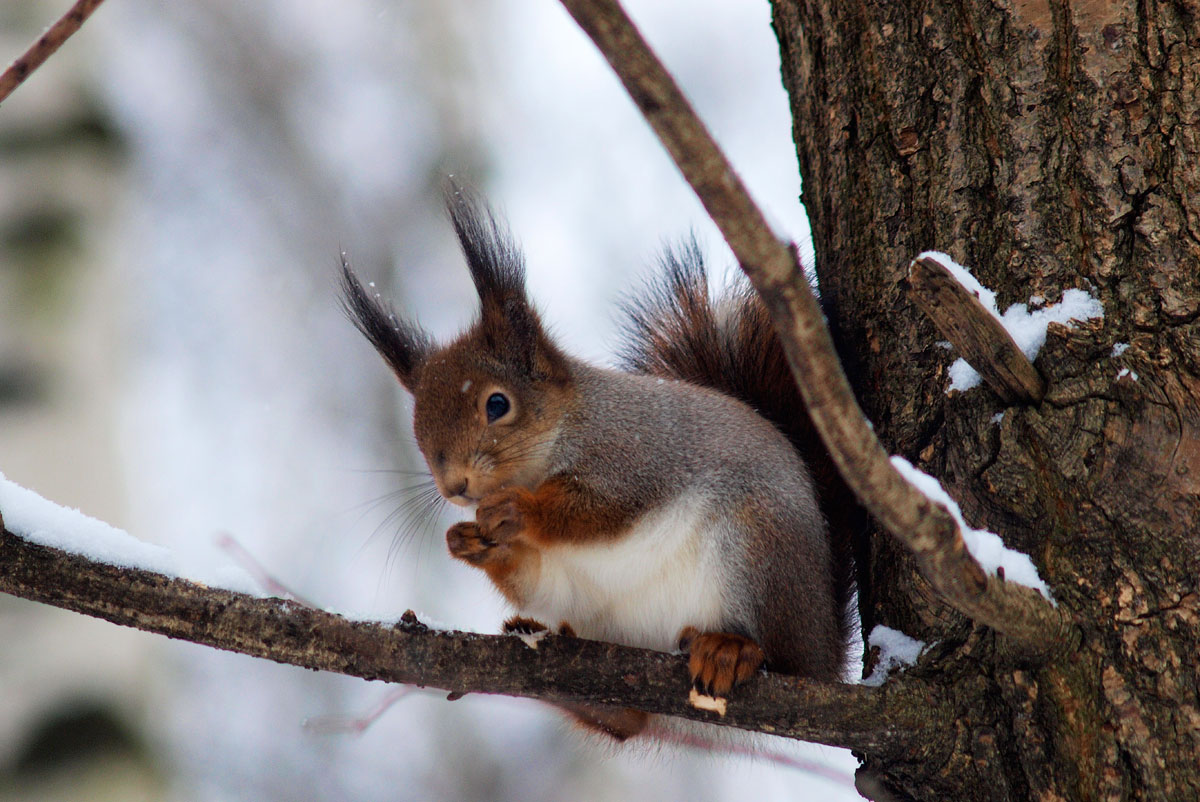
(508, 324)
(403, 345)
(493, 257)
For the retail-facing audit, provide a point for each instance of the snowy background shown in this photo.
(175, 188)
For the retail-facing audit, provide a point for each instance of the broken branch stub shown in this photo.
(974, 332)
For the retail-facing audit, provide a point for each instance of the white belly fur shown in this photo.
(641, 590)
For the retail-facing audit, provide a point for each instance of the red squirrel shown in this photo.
(652, 506)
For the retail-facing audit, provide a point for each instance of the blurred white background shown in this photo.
(175, 188)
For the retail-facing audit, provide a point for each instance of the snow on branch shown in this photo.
(925, 528)
(117, 588)
(965, 313)
(41, 521)
(986, 547)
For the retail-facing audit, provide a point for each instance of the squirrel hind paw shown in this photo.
(719, 661)
(530, 632)
(520, 625)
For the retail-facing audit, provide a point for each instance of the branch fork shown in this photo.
(926, 529)
(896, 718)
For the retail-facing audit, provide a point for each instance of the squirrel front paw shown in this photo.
(501, 515)
(498, 519)
(466, 542)
(718, 661)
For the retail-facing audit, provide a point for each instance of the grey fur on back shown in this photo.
(692, 438)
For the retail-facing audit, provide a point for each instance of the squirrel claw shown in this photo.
(719, 661)
(520, 625)
(527, 629)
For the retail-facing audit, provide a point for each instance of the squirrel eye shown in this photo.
(497, 407)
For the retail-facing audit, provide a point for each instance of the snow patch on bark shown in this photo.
(1027, 327)
(896, 650)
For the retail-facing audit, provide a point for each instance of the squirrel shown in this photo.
(667, 505)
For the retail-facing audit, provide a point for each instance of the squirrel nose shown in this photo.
(456, 489)
(455, 485)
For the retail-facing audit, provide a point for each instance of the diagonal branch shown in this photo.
(45, 46)
(774, 270)
(895, 719)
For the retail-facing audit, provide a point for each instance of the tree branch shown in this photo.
(897, 718)
(45, 46)
(975, 332)
(774, 269)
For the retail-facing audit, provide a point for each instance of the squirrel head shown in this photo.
(488, 406)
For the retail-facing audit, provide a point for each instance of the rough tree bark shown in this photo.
(1048, 145)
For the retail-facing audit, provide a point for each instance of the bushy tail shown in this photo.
(676, 330)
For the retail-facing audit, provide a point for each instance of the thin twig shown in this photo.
(265, 579)
(341, 724)
(45, 46)
(774, 270)
(899, 718)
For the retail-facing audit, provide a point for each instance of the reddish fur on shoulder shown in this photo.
(513, 524)
(558, 511)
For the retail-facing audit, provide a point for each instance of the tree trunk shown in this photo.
(1047, 145)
